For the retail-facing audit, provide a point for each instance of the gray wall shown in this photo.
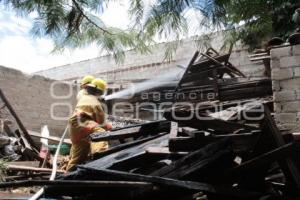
(285, 66)
(137, 67)
(32, 99)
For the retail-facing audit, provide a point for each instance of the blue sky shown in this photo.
(19, 50)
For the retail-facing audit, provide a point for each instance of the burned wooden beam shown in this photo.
(191, 119)
(282, 152)
(147, 124)
(188, 68)
(116, 135)
(27, 176)
(76, 184)
(199, 65)
(169, 183)
(289, 165)
(163, 151)
(188, 143)
(125, 146)
(12, 167)
(113, 158)
(241, 142)
(184, 166)
(142, 130)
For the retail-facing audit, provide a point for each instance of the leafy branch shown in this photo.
(87, 18)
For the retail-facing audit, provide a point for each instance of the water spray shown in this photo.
(158, 81)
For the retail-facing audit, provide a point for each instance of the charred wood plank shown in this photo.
(115, 135)
(199, 154)
(12, 167)
(76, 183)
(24, 176)
(202, 64)
(141, 162)
(287, 150)
(163, 151)
(288, 165)
(167, 182)
(125, 146)
(151, 128)
(215, 84)
(240, 142)
(229, 71)
(190, 118)
(188, 68)
(207, 169)
(114, 158)
(154, 123)
(188, 143)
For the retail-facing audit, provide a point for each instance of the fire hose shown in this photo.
(54, 166)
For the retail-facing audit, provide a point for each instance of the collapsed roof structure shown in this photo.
(220, 146)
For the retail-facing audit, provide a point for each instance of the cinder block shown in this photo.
(288, 126)
(290, 84)
(277, 107)
(275, 63)
(282, 73)
(291, 61)
(286, 117)
(297, 71)
(281, 52)
(287, 95)
(298, 116)
(276, 86)
(291, 106)
(297, 94)
(296, 50)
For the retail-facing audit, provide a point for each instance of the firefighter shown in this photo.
(87, 118)
(83, 84)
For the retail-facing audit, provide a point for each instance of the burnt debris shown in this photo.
(227, 147)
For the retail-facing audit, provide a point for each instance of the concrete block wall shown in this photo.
(105, 66)
(38, 100)
(285, 72)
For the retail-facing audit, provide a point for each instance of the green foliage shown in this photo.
(136, 11)
(262, 19)
(251, 21)
(74, 24)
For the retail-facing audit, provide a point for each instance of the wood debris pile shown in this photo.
(209, 76)
(225, 148)
(219, 157)
(15, 141)
(20, 158)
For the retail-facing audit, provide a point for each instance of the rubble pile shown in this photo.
(228, 147)
(15, 141)
(9, 148)
(208, 77)
(20, 158)
(179, 159)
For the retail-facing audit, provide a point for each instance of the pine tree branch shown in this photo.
(88, 19)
